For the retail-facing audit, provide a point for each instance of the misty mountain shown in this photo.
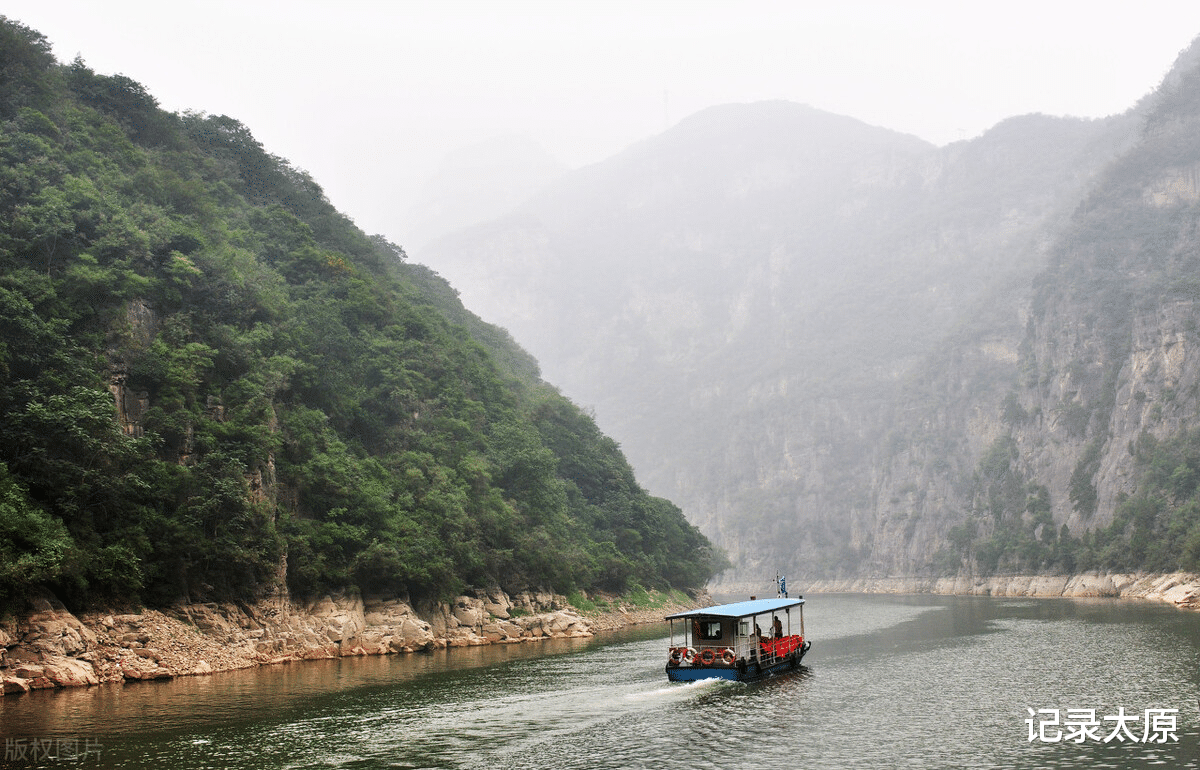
(766, 304)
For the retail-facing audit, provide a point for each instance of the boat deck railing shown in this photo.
(772, 651)
(764, 652)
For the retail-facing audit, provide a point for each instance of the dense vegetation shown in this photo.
(1156, 529)
(297, 402)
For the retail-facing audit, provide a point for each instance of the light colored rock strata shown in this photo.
(49, 647)
(1181, 589)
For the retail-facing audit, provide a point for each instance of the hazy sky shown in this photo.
(368, 96)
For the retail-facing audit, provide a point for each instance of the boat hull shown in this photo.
(752, 672)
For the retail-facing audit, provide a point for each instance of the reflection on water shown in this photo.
(245, 695)
(890, 682)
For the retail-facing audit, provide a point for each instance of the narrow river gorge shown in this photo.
(892, 681)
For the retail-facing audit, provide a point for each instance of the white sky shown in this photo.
(368, 96)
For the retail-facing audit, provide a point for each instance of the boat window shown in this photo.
(743, 628)
(710, 629)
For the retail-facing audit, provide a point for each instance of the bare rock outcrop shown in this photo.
(49, 647)
(1181, 589)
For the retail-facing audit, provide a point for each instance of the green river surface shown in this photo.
(891, 681)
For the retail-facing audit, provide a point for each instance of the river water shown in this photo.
(929, 682)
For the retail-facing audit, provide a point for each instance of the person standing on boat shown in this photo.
(778, 628)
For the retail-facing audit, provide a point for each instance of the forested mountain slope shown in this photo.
(213, 386)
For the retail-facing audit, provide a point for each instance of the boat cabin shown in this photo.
(754, 635)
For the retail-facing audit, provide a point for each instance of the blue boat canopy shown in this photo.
(740, 609)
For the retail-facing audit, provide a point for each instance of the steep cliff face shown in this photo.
(1031, 449)
(1112, 339)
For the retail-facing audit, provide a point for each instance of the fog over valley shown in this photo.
(596, 299)
(848, 353)
(456, 384)
(375, 99)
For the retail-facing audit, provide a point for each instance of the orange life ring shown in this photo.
(676, 655)
(708, 656)
(727, 656)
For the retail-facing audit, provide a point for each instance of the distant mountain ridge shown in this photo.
(807, 331)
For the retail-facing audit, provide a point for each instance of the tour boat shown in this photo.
(726, 642)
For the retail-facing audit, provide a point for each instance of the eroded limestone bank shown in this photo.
(1179, 588)
(48, 646)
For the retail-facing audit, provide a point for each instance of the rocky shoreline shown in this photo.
(49, 647)
(1181, 589)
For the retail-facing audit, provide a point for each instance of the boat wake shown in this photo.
(681, 690)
